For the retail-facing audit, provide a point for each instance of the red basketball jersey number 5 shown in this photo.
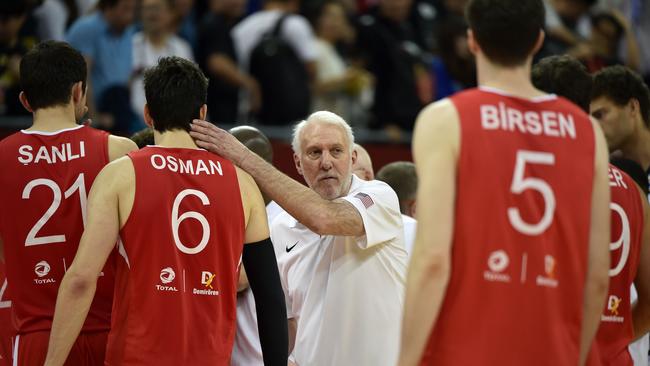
(520, 183)
(176, 221)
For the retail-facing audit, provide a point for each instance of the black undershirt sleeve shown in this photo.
(264, 279)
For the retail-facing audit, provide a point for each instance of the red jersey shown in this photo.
(45, 181)
(176, 283)
(7, 330)
(616, 331)
(521, 233)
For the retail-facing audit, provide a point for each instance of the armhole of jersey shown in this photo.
(135, 194)
(241, 201)
(106, 141)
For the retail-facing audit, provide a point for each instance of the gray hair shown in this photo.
(321, 117)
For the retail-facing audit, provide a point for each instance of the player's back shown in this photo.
(616, 332)
(46, 178)
(176, 282)
(521, 233)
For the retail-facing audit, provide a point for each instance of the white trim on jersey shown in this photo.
(51, 133)
(541, 98)
(122, 251)
(15, 353)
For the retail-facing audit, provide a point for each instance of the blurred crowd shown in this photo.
(272, 62)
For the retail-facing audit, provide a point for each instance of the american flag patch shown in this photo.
(365, 199)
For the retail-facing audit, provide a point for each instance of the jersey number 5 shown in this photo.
(78, 185)
(521, 183)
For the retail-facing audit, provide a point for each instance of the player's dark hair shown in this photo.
(175, 89)
(620, 85)
(566, 77)
(506, 30)
(402, 178)
(143, 137)
(48, 72)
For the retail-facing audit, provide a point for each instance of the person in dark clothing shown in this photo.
(389, 49)
(217, 57)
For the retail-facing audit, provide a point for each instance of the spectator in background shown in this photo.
(155, 41)
(185, 21)
(338, 86)
(217, 57)
(13, 46)
(288, 77)
(389, 49)
(105, 38)
(403, 179)
(602, 48)
(53, 17)
(454, 69)
(567, 23)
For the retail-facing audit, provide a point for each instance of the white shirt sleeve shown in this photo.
(298, 33)
(378, 206)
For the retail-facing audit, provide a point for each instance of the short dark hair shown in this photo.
(143, 137)
(566, 77)
(402, 178)
(620, 84)
(175, 89)
(48, 72)
(506, 30)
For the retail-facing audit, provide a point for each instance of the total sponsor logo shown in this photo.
(167, 276)
(549, 278)
(497, 262)
(207, 280)
(42, 269)
(613, 303)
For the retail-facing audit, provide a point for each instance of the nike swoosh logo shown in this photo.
(291, 247)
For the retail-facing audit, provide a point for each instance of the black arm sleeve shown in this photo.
(264, 279)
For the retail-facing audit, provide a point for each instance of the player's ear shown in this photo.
(23, 100)
(296, 160)
(354, 156)
(203, 112)
(471, 43)
(147, 116)
(77, 92)
(540, 41)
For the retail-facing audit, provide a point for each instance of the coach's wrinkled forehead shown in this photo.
(322, 117)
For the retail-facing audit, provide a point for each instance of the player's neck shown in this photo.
(174, 138)
(511, 80)
(53, 119)
(638, 148)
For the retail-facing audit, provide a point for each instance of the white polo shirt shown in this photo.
(410, 227)
(247, 350)
(346, 293)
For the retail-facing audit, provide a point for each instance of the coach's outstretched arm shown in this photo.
(263, 277)
(597, 281)
(641, 310)
(324, 217)
(79, 283)
(435, 150)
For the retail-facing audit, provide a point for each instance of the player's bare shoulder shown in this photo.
(438, 121)
(119, 146)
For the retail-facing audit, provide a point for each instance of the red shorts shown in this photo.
(88, 350)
